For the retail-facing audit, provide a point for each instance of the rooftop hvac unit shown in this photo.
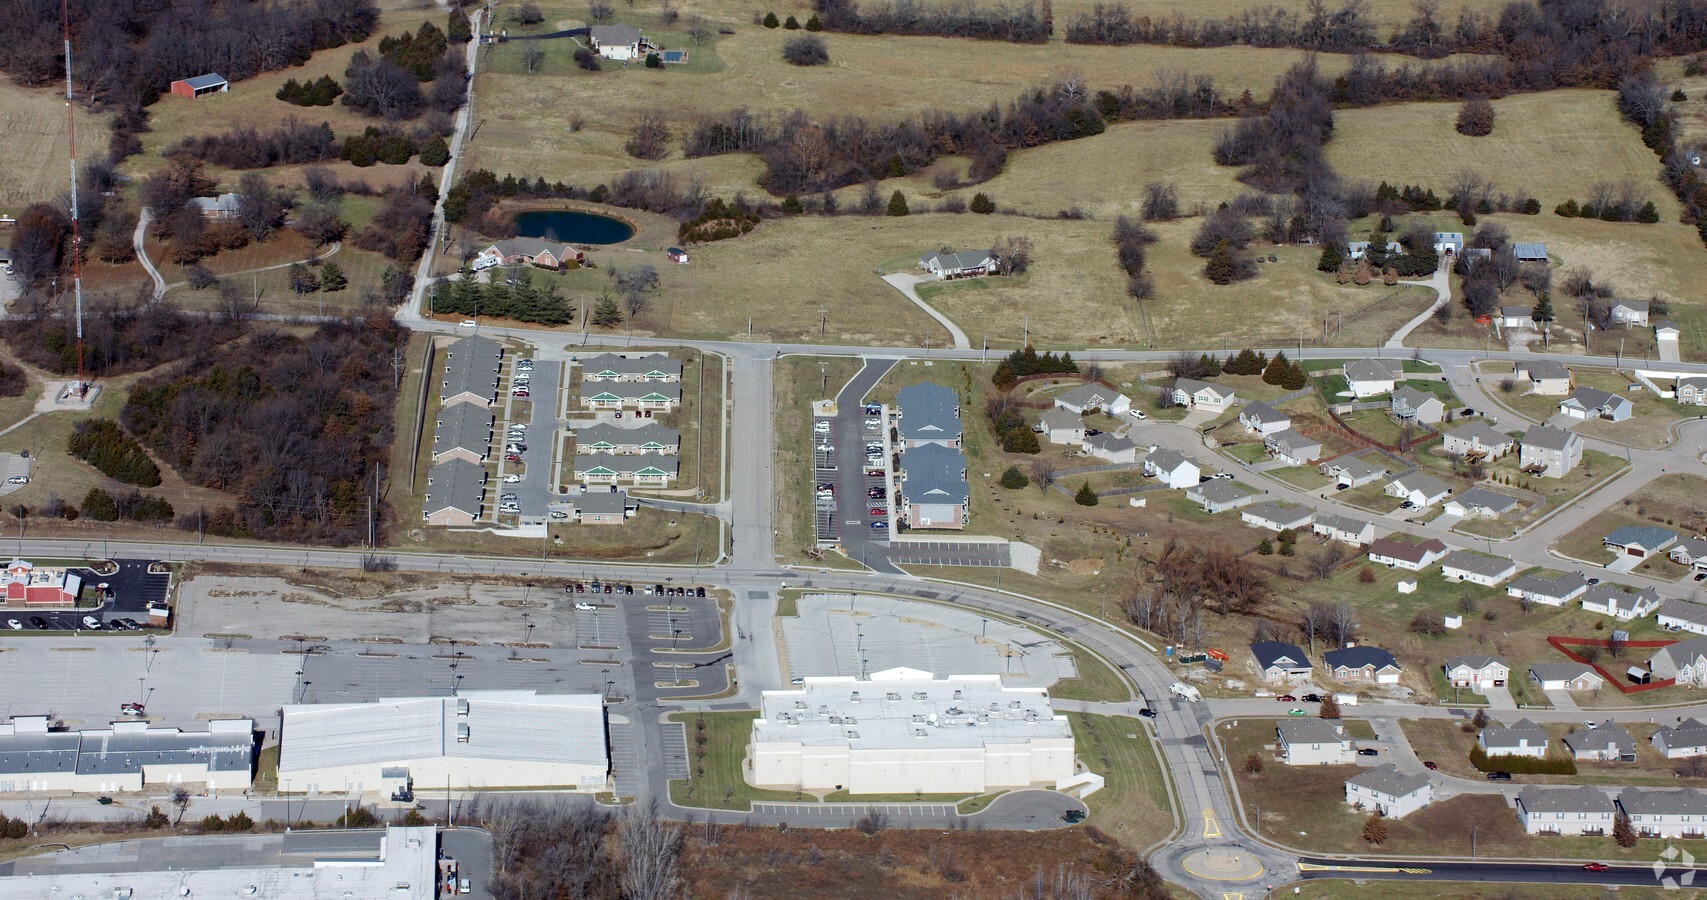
(891, 696)
(921, 695)
(462, 707)
(462, 734)
(854, 697)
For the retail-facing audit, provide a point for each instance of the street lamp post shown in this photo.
(605, 674)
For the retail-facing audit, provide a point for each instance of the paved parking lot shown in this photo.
(133, 587)
(858, 539)
(948, 553)
(544, 436)
(12, 465)
(899, 813)
(675, 749)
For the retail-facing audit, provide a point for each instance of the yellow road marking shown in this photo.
(1210, 829)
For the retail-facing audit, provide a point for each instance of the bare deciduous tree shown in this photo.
(652, 855)
(532, 56)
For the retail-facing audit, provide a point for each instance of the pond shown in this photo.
(573, 227)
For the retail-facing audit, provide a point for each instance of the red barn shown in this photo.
(211, 83)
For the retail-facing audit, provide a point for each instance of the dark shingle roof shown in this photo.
(1278, 653)
(1358, 657)
(928, 412)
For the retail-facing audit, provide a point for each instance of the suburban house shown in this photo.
(1352, 471)
(1682, 615)
(1683, 740)
(1592, 403)
(1372, 377)
(929, 413)
(1312, 742)
(1545, 377)
(1260, 418)
(1516, 317)
(964, 264)
(1476, 672)
(533, 251)
(1292, 448)
(1360, 663)
(1550, 452)
(1522, 739)
(1629, 312)
(471, 372)
(1448, 242)
(1059, 426)
(1638, 540)
(1477, 441)
(224, 206)
(1548, 591)
(660, 397)
(1621, 604)
(1666, 331)
(1171, 468)
(1112, 447)
(1690, 551)
(1344, 528)
(934, 493)
(1606, 742)
(1692, 390)
(1685, 661)
(1360, 249)
(648, 438)
(1529, 252)
(640, 470)
(1565, 676)
(1091, 397)
(619, 42)
(645, 367)
(463, 431)
(1663, 813)
(1281, 663)
(1412, 556)
(456, 491)
(1219, 495)
(1562, 810)
(1201, 395)
(1388, 791)
(1417, 406)
(1477, 568)
(603, 508)
(1275, 516)
(1418, 488)
(200, 85)
(1479, 502)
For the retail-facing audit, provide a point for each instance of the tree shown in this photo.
(654, 61)
(1161, 202)
(1012, 255)
(302, 279)
(457, 29)
(1266, 547)
(1221, 267)
(650, 138)
(982, 204)
(606, 313)
(805, 50)
(528, 14)
(698, 30)
(1330, 708)
(1020, 439)
(1278, 369)
(1254, 763)
(770, 20)
(1014, 479)
(1480, 719)
(1332, 257)
(434, 151)
(791, 23)
(332, 278)
(1475, 117)
(1623, 832)
(814, 24)
(600, 10)
(1375, 829)
(897, 204)
(587, 60)
(258, 208)
(1085, 496)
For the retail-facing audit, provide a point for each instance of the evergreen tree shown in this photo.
(1330, 708)
(99, 505)
(1085, 496)
(1648, 215)
(1221, 267)
(1266, 548)
(1295, 378)
(982, 204)
(771, 20)
(1004, 379)
(1278, 369)
(457, 30)
(814, 24)
(1020, 439)
(1623, 832)
(434, 151)
(1543, 312)
(1014, 479)
(1375, 829)
(332, 278)
(607, 314)
(897, 204)
(1331, 258)
(791, 23)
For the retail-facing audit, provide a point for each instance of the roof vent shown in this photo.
(959, 695)
(921, 695)
(892, 696)
(462, 734)
(854, 697)
(462, 707)
(853, 735)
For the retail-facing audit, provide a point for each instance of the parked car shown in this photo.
(132, 709)
(559, 514)
(1147, 713)
(1499, 776)
(879, 511)
(507, 498)
(1137, 414)
(18, 479)
(91, 623)
(1429, 765)
(1312, 698)
(877, 493)
(874, 473)
(873, 409)
(1073, 816)
(1466, 411)
(584, 606)
(512, 479)
(1368, 751)
(699, 592)
(880, 526)
(14, 624)
(38, 623)
(465, 887)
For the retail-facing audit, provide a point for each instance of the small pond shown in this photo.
(572, 227)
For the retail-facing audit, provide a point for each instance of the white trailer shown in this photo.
(1181, 689)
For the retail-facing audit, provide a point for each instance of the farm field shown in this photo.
(33, 168)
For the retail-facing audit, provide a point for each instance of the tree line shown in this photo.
(1020, 23)
(103, 444)
(513, 297)
(119, 336)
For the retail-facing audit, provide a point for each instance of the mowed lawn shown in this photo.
(33, 169)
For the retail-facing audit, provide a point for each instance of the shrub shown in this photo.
(1014, 479)
(791, 23)
(814, 24)
(434, 151)
(1085, 496)
(320, 92)
(1266, 548)
(805, 50)
(1375, 829)
(1330, 708)
(104, 445)
(982, 204)
(1254, 763)
(897, 204)
(1020, 439)
(1366, 575)
(1521, 765)
(1475, 117)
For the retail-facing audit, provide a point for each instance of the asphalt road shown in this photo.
(1490, 872)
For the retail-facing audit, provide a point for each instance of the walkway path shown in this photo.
(142, 255)
(904, 282)
(1441, 284)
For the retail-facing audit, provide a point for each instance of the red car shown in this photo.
(1429, 764)
(1287, 698)
(879, 511)
(1595, 867)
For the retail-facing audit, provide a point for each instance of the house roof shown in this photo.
(933, 473)
(614, 35)
(928, 412)
(1564, 800)
(621, 463)
(1192, 386)
(1565, 585)
(650, 433)
(1685, 611)
(531, 247)
(211, 79)
(1284, 514)
(471, 366)
(1647, 801)
(1167, 460)
(1055, 418)
(1358, 657)
(1373, 370)
(1632, 305)
(1666, 325)
(1482, 498)
(1392, 548)
(1387, 779)
(1219, 491)
(1529, 251)
(1089, 394)
(1605, 736)
(964, 259)
(1619, 597)
(1562, 671)
(1695, 381)
(1110, 443)
(463, 426)
(1689, 733)
(1549, 438)
(1279, 654)
(455, 484)
(1475, 661)
(1477, 563)
(229, 203)
(1681, 653)
(1691, 544)
(1516, 312)
(633, 390)
(1545, 368)
(644, 364)
(1414, 398)
(1309, 731)
(1341, 523)
(1258, 411)
(1357, 467)
(1649, 537)
(1498, 734)
(1291, 440)
(1476, 431)
(1593, 399)
(1429, 485)
(602, 503)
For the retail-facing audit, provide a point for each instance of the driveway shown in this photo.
(1441, 284)
(1499, 698)
(904, 282)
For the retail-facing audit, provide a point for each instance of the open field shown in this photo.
(1335, 889)
(1135, 805)
(33, 169)
(1096, 681)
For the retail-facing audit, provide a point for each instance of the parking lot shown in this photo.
(949, 553)
(132, 588)
(542, 438)
(857, 429)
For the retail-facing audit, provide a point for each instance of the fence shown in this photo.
(1563, 644)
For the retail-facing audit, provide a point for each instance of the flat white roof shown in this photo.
(508, 725)
(906, 708)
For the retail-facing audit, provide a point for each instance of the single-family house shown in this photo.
(1629, 312)
(1171, 468)
(934, 493)
(1059, 426)
(1352, 471)
(1606, 742)
(1413, 405)
(1360, 249)
(1564, 810)
(1275, 516)
(1681, 741)
(659, 397)
(463, 431)
(1418, 488)
(1219, 495)
(1516, 317)
(1565, 676)
(1545, 377)
(1690, 550)
(1548, 591)
(1412, 556)
(456, 491)
(1476, 568)
(1388, 791)
(643, 367)
(641, 470)
(1683, 615)
(1260, 418)
(1091, 397)
(1665, 814)
(619, 42)
(1202, 395)
(1477, 671)
(1114, 448)
(1362, 663)
(1372, 377)
(1312, 742)
(1638, 540)
(1529, 252)
(1479, 502)
(1448, 242)
(1619, 602)
(648, 438)
(1475, 441)
(201, 85)
(471, 372)
(610, 507)
(1549, 452)
(532, 251)
(963, 264)
(1666, 331)
(1592, 403)
(1292, 447)
(1352, 531)
(1525, 738)
(1281, 663)
(1692, 389)
(224, 206)
(928, 413)
(1684, 661)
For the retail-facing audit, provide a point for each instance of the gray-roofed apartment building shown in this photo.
(642, 367)
(927, 413)
(456, 493)
(934, 493)
(471, 371)
(463, 431)
(1606, 742)
(1663, 813)
(1388, 791)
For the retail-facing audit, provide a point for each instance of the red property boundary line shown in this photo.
(1617, 681)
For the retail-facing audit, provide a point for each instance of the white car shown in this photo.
(518, 426)
(92, 623)
(512, 479)
(470, 323)
(559, 514)
(18, 479)
(14, 624)
(821, 427)
(585, 606)
(1138, 414)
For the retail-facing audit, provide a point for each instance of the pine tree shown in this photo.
(897, 204)
(1623, 832)
(607, 314)
(1331, 257)
(457, 30)
(792, 24)
(332, 278)
(1014, 479)
(771, 20)
(1277, 370)
(1004, 379)
(982, 204)
(1295, 378)
(1543, 312)
(814, 24)
(1085, 496)
(1221, 267)
(1020, 439)
(1266, 548)
(434, 151)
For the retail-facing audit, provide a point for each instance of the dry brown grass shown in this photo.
(33, 168)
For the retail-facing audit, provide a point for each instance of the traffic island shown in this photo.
(1223, 864)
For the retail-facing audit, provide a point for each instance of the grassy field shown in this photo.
(1097, 680)
(1650, 420)
(1135, 805)
(717, 780)
(1335, 889)
(1449, 747)
(33, 169)
(1674, 501)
